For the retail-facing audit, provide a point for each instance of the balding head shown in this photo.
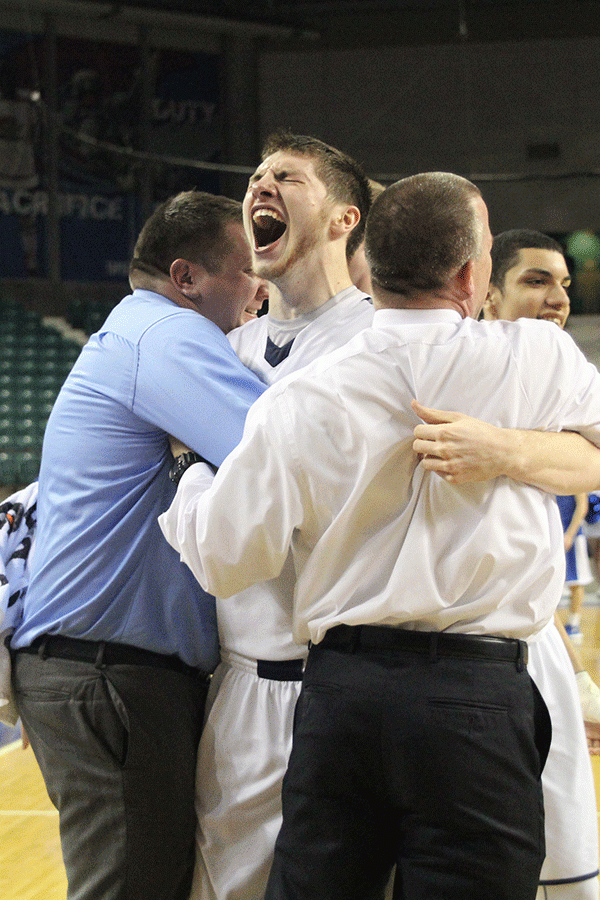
(422, 230)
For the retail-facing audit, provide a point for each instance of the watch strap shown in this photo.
(182, 463)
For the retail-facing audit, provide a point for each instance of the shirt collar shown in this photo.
(385, 317)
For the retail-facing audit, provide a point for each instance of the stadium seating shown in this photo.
(34, 361)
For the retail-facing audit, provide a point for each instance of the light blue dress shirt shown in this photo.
(102, 569)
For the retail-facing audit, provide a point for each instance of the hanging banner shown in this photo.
(98, 117)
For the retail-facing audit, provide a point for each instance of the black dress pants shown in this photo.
(431, 764)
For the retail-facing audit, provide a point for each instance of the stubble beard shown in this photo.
(275, 270)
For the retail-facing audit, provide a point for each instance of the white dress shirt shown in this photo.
(326, 466)
(257, 622)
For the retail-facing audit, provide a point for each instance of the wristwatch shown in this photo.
(183, 462)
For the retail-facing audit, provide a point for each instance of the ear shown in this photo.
(491, 303)
(184, 276)
(344, 220)
(464, 280)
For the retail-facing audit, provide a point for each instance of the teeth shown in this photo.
(266, 212)
(268, 227)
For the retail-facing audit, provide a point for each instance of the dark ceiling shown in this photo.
(372, 22)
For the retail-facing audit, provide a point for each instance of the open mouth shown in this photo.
(268, 227)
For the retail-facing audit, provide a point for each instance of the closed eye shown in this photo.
(288, 176)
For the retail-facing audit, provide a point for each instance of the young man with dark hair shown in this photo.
(112, 656)
(530, 279)
(514, 248)
(306, 204)
(417, 725)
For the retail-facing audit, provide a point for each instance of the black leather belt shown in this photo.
(280, 670)
(105, 653)
(354, 638)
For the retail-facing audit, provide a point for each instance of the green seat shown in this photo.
(26, 425)
(26, 365)
(49, 351)
(10, 409)
(50, 381)
(16, 410)
(27, 442)
(28, 339)
(27, 466)
(9, 468)
(18, 393)
(10, 337)
(7, 366)
(50, 337)
(22, 380)
(51, 366)
(70, 351)
(26, 352)
(46, 395)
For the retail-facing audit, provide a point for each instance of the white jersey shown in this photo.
(327, 328)
(257, 622)
(247, 735)
(571, 825)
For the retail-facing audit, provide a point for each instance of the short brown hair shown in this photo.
(420, 230)
(342, 176)
(190, 225)
(507, 246)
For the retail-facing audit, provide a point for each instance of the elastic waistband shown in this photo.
(270, 669)
(281, 669)
(356, 638)
(106, 653)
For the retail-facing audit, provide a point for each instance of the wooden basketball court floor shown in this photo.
(30, 858)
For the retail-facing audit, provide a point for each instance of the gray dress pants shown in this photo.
(117, 749)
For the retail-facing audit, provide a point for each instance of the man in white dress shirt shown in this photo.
(530, 279)
(418, 726)
(304, 213)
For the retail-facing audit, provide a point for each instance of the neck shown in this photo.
(442, 299)
(160, 284)
(143, 281)
(302, 289)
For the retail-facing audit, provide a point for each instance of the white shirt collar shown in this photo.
(385, 317)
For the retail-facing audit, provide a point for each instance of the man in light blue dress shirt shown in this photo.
(112, 656)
